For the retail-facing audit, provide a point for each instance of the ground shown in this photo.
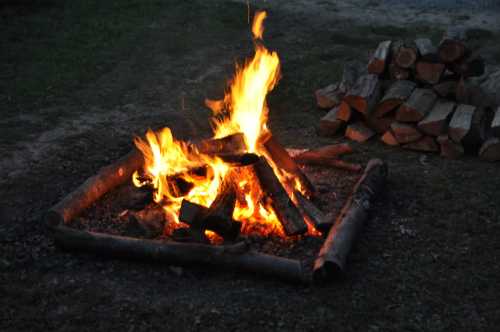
(79, 80)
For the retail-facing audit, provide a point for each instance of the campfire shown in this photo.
(206, 195)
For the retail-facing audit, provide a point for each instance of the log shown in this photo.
(380, 125)
(425, 144)
(332, 162)
(490, 150)
(450, 149)
(350, 74)
(329, 96)
(344, 112)
(312, 213)
(398, 93)
(405, 133)
(234, 257)
(379, 59)
(436, 122)
(446, 89)
(106, 179)
(461, 122)
(452, 47)
(331, 259)
(426, 49)
(429, 72)
(470, 66)
(190, 212)
(417, 106)
(330, 124)
(398, 73)
(359, 132)
(238, 159)
(327, 151)
(495, 124)
(365, 94)
(286, 211)
(406, 55)
(230, 144)
(148, 222)
(467, 92)
(389, 138)
(280, 157)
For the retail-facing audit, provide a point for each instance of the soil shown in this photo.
(428, 259)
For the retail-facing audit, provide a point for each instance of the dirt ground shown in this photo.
(428, 260)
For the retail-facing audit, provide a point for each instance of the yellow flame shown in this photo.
(258, 24)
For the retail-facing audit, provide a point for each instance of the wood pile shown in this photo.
(418, 96)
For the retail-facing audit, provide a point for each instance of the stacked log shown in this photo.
(420, 96)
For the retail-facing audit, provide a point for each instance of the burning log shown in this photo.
(379, 58)
(417, 106)
(286, 211)
(312, 213)
(436, 122)
(331, 259)
(235, 256)
(95, 187)
(231, 144)
(365, 94)
(280, 157)
(397, 94)
(452, 47)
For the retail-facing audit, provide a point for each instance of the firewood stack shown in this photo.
(416, 96)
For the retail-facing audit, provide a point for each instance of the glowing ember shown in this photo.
(170, 165)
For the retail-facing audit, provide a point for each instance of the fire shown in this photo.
(169, 163)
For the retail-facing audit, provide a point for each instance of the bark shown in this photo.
(106, 179)
(234, 257)
(365, 94)
(331, 259)
(436, 122)
(379, 59)
(397, 94)
(417, 106)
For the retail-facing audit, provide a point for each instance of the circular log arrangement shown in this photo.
(420, 97)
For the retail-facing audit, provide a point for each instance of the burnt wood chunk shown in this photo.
(280, 157)
(446, 89)
(331, 259)
(426, 49)
(425, 144)
(429, 72)
(450, 149)
(461, 122)
(490, 150)
(359, 132)
(379, 59)
(405, 133)
(287, 213)
(329, 96)
(330, 124)
(436, 122)
(190, 212)
(365, 94)
(452, 47)
(398, 73)
(312, 213)
(397, 93)
(417, 106)
(495, 124)
(389, 138)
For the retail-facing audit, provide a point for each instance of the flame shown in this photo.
(169, 163)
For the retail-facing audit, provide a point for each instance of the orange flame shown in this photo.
(243, 110)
